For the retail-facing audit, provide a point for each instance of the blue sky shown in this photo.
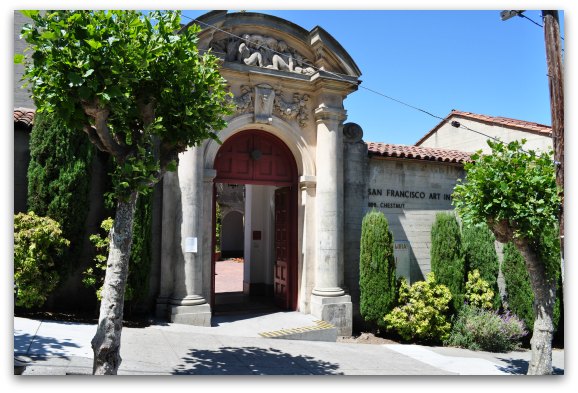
(436, 60)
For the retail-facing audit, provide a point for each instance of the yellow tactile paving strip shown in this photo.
(319, 325)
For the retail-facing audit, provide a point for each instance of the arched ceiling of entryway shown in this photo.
(303, 155)
(224, 32)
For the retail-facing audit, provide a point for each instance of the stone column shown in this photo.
(328, 300)
(170, 216)
(188, 305)
(355, 177)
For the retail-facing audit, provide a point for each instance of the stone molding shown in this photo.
(326, 113)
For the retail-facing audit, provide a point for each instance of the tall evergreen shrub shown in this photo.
(520, 297)
(377, 278)
(59, 180)
(447, 261)
(478, 244)
(141, 252)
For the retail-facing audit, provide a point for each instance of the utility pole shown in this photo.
(556, 84)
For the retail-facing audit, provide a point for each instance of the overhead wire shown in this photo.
(445, 119)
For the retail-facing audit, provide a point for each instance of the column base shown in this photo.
(337, 310)
(198, 315)
(161, 307)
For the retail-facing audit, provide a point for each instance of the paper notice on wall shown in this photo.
(402, 261)
(191, 244)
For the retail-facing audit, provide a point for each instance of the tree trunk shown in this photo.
(106, 342)
(544, 288)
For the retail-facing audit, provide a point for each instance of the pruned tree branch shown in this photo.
(100, 116)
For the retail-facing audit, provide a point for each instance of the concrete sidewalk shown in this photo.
(233, 347)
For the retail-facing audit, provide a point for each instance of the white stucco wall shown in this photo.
(259, 254)
(449, 137)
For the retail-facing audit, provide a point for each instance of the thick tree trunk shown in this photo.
(544, 288)
(106, 342)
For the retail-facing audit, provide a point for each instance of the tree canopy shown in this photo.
(137, 84)
(510, 187)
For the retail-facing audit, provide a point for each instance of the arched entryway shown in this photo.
(266, 168)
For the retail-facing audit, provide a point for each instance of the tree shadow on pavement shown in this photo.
(520, 367)
(40, 347)
(252, 361)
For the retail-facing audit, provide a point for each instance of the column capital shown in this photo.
(306, 182)
(325, 113)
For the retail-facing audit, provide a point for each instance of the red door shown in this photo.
(282, 247)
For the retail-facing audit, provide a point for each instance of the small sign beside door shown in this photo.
(191, 244)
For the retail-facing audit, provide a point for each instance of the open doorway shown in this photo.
(252, 266)
(259, 167)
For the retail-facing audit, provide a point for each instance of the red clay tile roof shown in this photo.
(24, 116)
(534, 128)
(417, 153)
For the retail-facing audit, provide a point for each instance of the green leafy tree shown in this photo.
(141, 91)
(423, 311)
(514, 192)
(38, 242)
(447, 261)
(377, 279)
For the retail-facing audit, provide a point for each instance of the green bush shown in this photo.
(59, 180)
(479, 249)
(38, 242)
(519, 294)
(93, 276)
(478, 291)
(422, 314)
(377, 280)
(520, 297)
(141, 252)
(140, 256)
(447, 261)
(481, 329)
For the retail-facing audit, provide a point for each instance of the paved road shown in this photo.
(233, 347)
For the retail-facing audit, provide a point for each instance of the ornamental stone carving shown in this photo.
(244, 102)
(262, 51)
(295, 109)
(263, 101)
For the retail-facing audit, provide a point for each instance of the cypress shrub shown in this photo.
(377, 280)
(479, 249)
(59, 180)
(520, 297)
(141, 252)
(447, 261)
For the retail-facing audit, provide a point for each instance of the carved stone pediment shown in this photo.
(262, 51)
